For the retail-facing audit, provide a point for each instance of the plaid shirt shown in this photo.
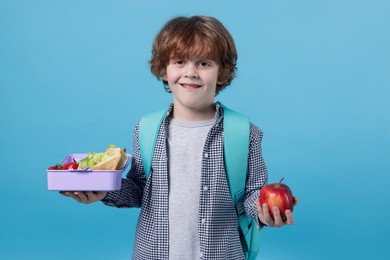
(217, 218)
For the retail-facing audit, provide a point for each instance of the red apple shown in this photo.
(279, 195)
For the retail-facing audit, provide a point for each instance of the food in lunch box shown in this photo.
(56, 167)
(112, 159)
(68, 166)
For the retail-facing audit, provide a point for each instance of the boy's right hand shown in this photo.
(85, 197)
(265, 216)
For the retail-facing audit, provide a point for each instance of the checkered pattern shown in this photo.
(217, 219)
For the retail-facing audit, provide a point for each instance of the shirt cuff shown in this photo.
(110, 198)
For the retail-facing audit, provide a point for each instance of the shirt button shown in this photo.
(205, 188)
(206, 155)
(201, 254)
(203, 220)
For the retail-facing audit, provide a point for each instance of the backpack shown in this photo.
(236, 146)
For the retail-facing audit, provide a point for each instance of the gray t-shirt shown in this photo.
(185, 147)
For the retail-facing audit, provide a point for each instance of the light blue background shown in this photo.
(314, 75)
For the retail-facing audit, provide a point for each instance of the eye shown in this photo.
(177, 62)
(203, 64)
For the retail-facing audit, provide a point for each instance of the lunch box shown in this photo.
(85, 180)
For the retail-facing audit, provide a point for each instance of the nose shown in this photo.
(191, 70)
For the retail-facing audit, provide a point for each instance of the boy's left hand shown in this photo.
(265, 217)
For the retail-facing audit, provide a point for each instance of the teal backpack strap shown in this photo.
(149, 127)
(236, 149)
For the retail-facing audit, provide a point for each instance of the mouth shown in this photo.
(190, 86)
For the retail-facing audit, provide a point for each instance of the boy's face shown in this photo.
(193, 83)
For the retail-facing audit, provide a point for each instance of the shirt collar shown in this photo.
(218, 112)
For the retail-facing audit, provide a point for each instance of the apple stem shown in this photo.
(280, 182)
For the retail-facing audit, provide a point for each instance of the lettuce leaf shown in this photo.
(94, 158)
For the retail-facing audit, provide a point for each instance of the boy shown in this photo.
(186, 209)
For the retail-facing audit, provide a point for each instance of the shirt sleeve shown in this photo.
(131, 192)
(257, 174)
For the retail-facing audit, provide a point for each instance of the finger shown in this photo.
(63, 193)
(89, 195)
(267, 218)
(277, 217)
(95, 196)
(289, 216)
(92, 196)
(265, 209)
(260, 211)
(258, 206)
(82, 196)
(73, 196)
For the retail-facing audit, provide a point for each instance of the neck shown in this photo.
(185, 114)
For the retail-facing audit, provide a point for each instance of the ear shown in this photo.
(164, 75)
(220, 75)
(219, 81)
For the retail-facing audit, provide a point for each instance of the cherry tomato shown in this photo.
(70, 166)
(55, 167)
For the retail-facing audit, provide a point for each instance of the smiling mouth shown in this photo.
(190, 86)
